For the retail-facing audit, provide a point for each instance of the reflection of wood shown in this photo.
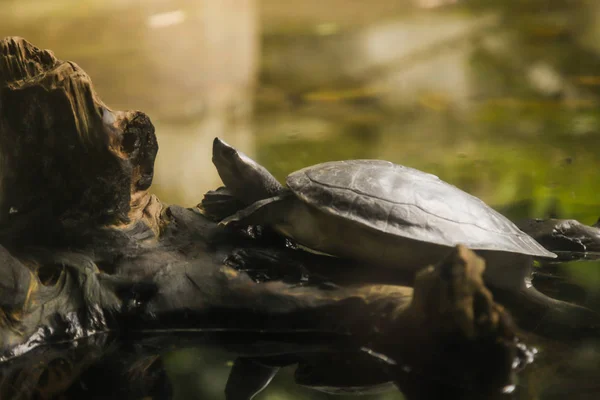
(90, 249)
(401, 62)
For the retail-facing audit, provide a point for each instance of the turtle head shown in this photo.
(247, 180)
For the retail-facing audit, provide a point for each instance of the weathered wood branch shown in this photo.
(563, 234)
(86, 249)
(66, 158)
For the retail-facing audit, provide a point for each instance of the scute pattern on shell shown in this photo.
(406, 202)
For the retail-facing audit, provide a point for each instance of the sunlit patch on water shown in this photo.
(525, 355)
(165, 19)
(383, 358)
(434, 3)
(509, 389)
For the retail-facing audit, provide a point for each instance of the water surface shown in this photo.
(498, 98)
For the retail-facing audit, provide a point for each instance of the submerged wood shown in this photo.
(86, 248)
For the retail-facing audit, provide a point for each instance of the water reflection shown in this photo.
(101, 367)
(207, 365)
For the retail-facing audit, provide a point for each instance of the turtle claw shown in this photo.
(219, 204)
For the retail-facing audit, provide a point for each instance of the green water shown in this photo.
(508, 111)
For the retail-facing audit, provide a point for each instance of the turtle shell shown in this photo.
(408, 203)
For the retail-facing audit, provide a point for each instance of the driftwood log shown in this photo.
(564, 235)
(87, 251)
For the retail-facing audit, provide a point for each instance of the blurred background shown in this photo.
(497, 97)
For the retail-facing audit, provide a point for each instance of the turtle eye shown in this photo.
(230, 151)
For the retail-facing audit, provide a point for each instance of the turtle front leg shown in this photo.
(263, 212)
(219, 204)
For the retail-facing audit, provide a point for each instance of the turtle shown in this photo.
(386, 215)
